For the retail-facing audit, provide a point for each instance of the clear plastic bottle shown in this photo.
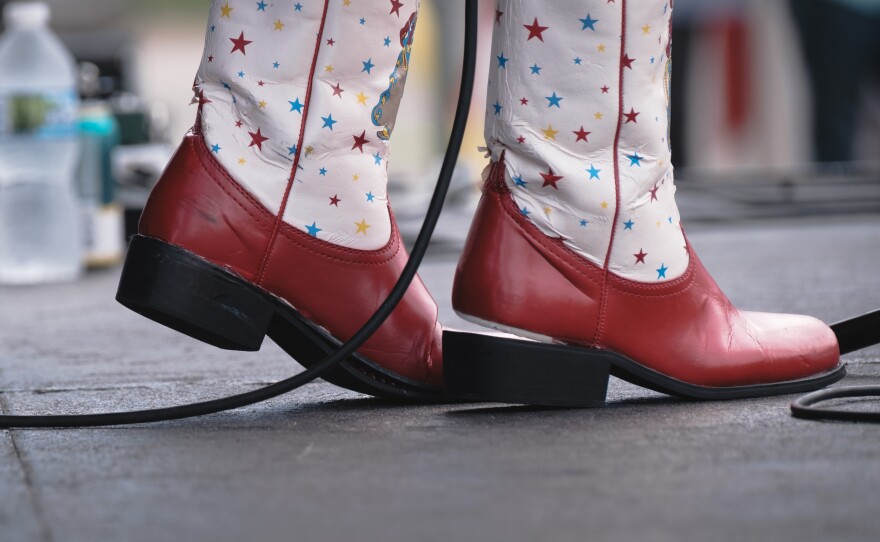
(40, 234)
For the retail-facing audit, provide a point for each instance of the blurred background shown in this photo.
(776, 108)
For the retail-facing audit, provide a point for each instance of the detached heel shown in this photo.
(177, 289)
(497, 369)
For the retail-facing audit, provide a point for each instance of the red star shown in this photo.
(521, 139)
(395, 7)
(238, 124)
(360, 141)
(261, 84)
(257, 139)
(653, 192)
(211, 58)
(239, 44)
(524, 101)
(535, 30)
(640, 257)
(631, 116)
(627, 61)
(582, 135)
(550, 179)
(498, 15)
(337, 90)
(605, 89)
(330, 42)
(335, 200)
(202, 99)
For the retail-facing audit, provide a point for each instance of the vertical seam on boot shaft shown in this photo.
(299, 145)
(616, 157)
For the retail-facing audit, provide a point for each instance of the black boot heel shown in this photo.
(496, 369)
(177, 289)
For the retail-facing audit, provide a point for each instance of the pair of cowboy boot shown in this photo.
(273, 216)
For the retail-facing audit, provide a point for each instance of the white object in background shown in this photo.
(40, 235)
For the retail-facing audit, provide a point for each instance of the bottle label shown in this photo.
(39, 115)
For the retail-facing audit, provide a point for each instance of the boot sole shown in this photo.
(178, 289)
(491, 368)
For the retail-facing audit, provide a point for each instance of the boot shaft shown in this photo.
(298, 102)
(578, 103)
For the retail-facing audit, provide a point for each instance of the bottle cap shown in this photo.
(26, 14)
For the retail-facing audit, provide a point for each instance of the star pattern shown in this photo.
(593, 163)
(268, 125)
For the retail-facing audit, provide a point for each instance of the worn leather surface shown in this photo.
(686, 328)
(198, 206)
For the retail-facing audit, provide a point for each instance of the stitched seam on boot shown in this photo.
(604, 295)
(302, 132)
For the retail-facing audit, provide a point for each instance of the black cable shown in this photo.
(359, 338)
(803, 408)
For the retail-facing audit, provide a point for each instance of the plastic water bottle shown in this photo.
(40, 233)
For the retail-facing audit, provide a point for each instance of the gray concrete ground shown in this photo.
(326, 464)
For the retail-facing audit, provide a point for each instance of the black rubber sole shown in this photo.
(184, 292)
(481, 367)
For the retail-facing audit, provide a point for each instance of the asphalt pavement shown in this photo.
(324, 464)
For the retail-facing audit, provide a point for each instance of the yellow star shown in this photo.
(362, 98)
(646, 29)
(598, 116)
(548, 210)
(356, 177)
(225, 10)
(601, 47)
(658, 223)
(279, 25)
(309, 150)
(328, 68)
(550, 133)
(346, 3)
(262, 104)
(242, 161)
(604, 204)
(362, 227)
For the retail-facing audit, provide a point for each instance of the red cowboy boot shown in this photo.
(272, 218)
(577, 239)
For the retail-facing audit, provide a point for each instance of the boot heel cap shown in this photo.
(179, 290)
(497, 369)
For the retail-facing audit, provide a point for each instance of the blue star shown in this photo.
(215, 149)
(554, 100)
(362, 21)
(291, 150)
(670, 220)
(298, 7)
(329, 122)
(584, 223)
(226, 86)
(387, 41)
(589, 22)
(296, 106)
(276, 65)
(314, 229)
(261, 6)
(502, 60)
(322, 172)
(377, 158)
(577, 60)
(594, 173)
(370, 196)
(628, 225)
(635, 160)
(241, 74)
(213, 28)
(497, 107)
(536, 70)
(368, 65)
(520, 182)
(652, 60)
(525, 212)
(661, 273)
